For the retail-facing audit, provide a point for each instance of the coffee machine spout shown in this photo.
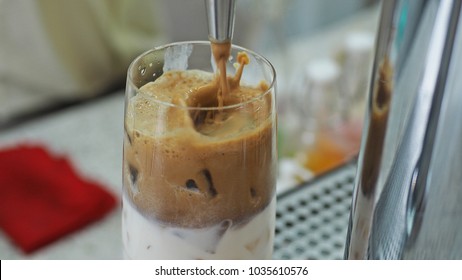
(408, 188)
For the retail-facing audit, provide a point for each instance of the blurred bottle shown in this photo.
(355, 59)
(331, 106)
(319, 109)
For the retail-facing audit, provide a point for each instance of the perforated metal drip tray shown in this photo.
(312, 219)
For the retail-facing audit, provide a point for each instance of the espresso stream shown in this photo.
(200, 167)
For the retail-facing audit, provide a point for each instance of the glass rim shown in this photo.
(235, 47)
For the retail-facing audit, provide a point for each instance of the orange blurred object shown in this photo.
(332, 149)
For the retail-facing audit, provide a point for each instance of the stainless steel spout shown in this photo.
(220, 19)
(408, 191)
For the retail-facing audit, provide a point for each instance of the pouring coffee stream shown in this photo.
(220, 19)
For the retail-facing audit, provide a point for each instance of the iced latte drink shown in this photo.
(199, 154)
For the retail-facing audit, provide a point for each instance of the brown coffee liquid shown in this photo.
(205, 166)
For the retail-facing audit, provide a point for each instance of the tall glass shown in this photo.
(199, 178)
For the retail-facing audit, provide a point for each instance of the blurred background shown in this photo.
(63, 66)
(55, 51)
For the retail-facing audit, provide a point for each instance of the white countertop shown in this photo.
(91, 136)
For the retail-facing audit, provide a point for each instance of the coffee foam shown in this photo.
(197, 175)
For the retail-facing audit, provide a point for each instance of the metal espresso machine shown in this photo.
(407, 202)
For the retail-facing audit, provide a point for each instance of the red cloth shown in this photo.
(42, 198)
